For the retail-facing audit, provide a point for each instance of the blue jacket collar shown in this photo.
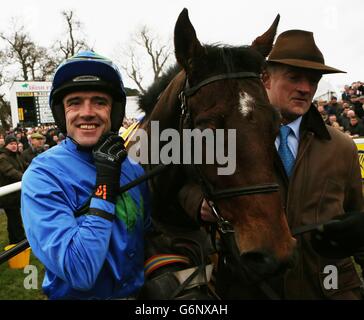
(71, 145)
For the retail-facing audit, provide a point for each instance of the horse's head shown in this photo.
(221, 89)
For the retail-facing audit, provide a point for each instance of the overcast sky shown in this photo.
(337, 24)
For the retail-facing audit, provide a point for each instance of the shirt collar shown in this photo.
(295, 126)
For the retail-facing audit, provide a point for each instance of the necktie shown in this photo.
(284, 152)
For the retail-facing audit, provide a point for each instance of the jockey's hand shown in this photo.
(206, 213)
(341, 237)
(108, 154)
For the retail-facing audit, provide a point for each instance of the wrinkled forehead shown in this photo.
(311, 74)
(87, 94)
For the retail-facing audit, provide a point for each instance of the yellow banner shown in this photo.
(129, 133)
(360, 145)
(25, 94)
(21, 114)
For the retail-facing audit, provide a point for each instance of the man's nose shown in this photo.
(304, 86)
(87, 110)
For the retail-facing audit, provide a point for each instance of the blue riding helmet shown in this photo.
(87, 71)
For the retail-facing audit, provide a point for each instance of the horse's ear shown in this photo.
(264, 43)
(186, 43)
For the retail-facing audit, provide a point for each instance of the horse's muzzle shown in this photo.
(257, 266)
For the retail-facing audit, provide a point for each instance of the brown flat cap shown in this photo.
(298, 48)
(37, 135)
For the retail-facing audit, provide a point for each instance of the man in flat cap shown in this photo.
(37, 141)
(318, 171)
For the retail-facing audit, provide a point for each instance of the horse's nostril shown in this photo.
(256, 258)
(261, 264)
(260, 261)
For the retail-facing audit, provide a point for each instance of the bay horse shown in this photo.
(219, 87)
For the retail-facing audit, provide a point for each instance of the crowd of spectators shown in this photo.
(346, 114)
(35, 140)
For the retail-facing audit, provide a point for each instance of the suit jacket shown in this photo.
(325, 182)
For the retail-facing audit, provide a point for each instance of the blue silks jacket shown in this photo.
(88, 257)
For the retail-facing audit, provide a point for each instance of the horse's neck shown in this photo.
(167, 110)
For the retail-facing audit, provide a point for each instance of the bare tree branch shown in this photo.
(74, 41)
(133, 72)
(30, 57)
(68, 16)
(157, 56)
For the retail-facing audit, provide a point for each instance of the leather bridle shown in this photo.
(224, 226)
(211, 195)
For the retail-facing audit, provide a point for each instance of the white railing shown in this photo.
(10, 188)
(22, 245)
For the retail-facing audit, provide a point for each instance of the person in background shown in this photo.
(61, 137)
(2, 141)
(334, 107)
(50, 140)
(21, 136)
(336, 125)
(357, 106)
(20, 147)
(12, 168)
(36, 147)
(345, 96)
(345, 120)
(355, 127)
(322, 111)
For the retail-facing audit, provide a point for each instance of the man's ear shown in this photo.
(266, 77)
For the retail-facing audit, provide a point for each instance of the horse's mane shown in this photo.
(148, 100)
(218, 58)
(227, 58)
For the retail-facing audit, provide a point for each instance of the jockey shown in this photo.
(88, 236)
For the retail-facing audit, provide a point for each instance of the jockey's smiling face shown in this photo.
(87, 116)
